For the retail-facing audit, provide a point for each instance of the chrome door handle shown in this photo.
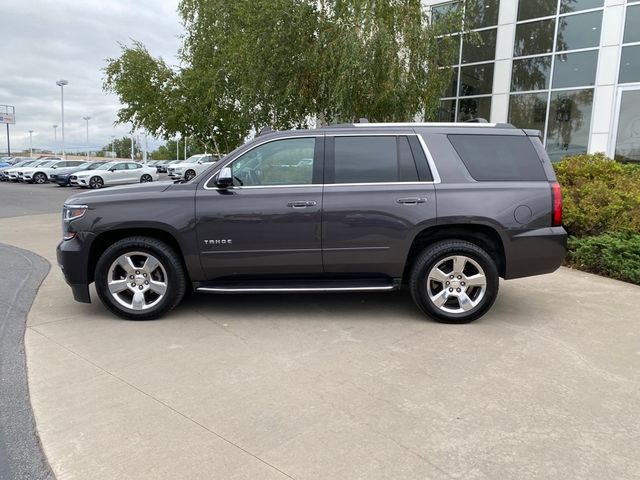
(301, 204)
(412, 200)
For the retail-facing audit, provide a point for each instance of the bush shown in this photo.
(616, 255)
(600, 195)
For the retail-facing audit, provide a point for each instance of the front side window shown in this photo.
(383, 159)
(133, 166)
(281, 162)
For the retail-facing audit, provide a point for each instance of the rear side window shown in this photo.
(495, 158)
(371, 159)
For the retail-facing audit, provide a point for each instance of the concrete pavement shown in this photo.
(547, 385)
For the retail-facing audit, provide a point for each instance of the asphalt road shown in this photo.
(20, 455)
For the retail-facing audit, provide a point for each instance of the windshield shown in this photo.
(45, 164)
(24, 163)
(94, 166)
(193, 159)
(106, 166)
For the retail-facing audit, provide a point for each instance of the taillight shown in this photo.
(556, 194)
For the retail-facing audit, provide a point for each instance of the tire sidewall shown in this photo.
(99, 182)
(175, 291)
(435, 254)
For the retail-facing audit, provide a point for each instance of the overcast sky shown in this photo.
(47, 40)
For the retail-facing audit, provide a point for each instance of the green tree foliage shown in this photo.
(247, 64)
(122, 147)
(168, 150)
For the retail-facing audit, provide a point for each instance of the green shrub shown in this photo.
(616, 255)
(600, 195)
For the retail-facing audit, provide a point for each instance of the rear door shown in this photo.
(378, 194)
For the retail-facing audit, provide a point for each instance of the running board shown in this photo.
(303, 286)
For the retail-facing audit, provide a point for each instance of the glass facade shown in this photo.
(628, 134)
(630, 58)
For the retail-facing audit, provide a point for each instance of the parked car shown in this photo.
(62, 176)
(161, 166)
(443, 210)
(4, 175)
(189, 168)
(40, 174)
(5, 164)
(114, 173)
(13, 173)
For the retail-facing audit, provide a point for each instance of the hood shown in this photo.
(124, 190)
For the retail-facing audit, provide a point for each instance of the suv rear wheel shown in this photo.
(454, 281)
(140, 278)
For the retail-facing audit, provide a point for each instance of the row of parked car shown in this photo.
(97, 174)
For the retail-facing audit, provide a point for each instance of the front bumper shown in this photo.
(73, 257)
(535, 252)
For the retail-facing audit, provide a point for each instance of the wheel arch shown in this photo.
(107, 238)
(483, 236)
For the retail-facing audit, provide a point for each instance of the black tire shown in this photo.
(96, 182)
(176, 281)
(189, 174)
(146, 178)
(431, 257)
(40, 178)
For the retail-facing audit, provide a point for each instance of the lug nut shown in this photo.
(133, 284)
(146, 282)
(462, 283)
(140, 287)
(451, 277)
(131, 277)
(451, 289)
(458, 290)
(446, 283)
(459, 277)
(144, 275)
(137, 272)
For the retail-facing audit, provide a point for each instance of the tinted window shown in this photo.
(528, 110)
(499, 157)
(133, 166)
(447, 111)
(575, 69)
(568, 6)
(536, 8)
(120, 166)
(631, 28)
(470, 108)
(476, 80)
(480, 52)
(531, 74)
(579, 31)
(569, 123)
(630, 64)
(483, 14)
(281, 162)
(534, 37)
(452, 88)
(373, 160)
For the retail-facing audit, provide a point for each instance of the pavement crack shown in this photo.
(164, 404)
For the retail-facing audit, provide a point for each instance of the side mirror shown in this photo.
(225, 178)
(112, 169)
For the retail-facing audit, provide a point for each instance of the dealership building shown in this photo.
(569, 68)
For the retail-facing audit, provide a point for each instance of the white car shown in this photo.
(42, 173)
(114, 173)
(4, 172)
(13, 173)
(192, 166)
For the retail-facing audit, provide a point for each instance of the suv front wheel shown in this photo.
(140, 278)
(454, 281)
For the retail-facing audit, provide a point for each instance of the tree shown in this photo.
(122, 147)
(168, 151)
(247, 64)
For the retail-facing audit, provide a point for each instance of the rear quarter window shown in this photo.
(495, 158)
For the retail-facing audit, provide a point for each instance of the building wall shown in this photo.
(556, 67)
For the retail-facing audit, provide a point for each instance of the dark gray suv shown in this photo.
(441, 209)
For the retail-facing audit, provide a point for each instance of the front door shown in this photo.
(269, 222)
(377, 197)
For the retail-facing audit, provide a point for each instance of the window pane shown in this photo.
(569, 123)
(366, 160)
(632, 25)
(470, 108)
(579, 31)
(476, 80)
(534, 37)
(531, 74)
(483, 51)
(439, 11)
(281, 162)
(528, 110)
(536, 8)
(628, 139)
(452, 87)
(568, 6)
(485, 14)
(494, 158)
(447, 111)
(448, 50)
(630, 64)
(407, 171)
(575, 69)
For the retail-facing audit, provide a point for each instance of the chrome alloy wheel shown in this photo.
(456, 284)
(137, 280)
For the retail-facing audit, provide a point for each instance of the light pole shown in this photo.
(55, 136)
(86, 119)
(177, 148)
(61, 84)
(31, 143)
(113, 146)
(133, 148)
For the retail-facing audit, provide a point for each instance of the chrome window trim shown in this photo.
(425, 149)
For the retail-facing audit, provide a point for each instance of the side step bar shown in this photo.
(302, 285)
(294, 289)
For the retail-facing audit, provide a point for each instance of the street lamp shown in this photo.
(61, 84)
(31, 143)
(55, 136)
(113, 146)
(86, 119)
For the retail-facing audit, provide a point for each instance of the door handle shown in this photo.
(412, 200)
(301, 204)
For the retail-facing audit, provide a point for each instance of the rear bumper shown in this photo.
(535, 252)
(72, 257)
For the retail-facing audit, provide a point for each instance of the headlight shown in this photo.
(69, 214)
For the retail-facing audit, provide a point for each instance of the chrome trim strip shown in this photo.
(432, 164)
(375, 184)
(425, 124)
(282, 250)
(293, 289)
